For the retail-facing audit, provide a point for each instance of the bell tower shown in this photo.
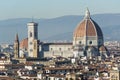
(32, 39)
(16, 47)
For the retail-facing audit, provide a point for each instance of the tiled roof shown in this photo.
(24, 44)
(88, 27)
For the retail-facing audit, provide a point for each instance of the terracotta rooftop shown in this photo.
(24, 44)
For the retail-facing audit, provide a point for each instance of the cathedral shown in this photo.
(87, 41)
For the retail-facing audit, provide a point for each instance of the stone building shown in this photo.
(87, 41)
(33, 42)
(56, 49)
(114, 75)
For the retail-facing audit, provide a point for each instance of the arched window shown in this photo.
(35, 46)
(68, 49)
(60, 49)
(51, 49)
(30, 43)
(30, 34)
(80, 42)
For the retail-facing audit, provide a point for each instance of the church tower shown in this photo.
(16, 47)
(33, 42)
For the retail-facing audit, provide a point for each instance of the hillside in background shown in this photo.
(60, 28)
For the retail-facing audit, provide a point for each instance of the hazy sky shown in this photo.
(55, 8)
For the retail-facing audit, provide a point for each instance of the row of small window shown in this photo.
(59, 49)
(32, 34)
(34, 45)
(90, 42)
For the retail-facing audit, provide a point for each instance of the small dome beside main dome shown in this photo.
(24, 44)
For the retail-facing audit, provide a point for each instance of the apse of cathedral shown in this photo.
(87, 41)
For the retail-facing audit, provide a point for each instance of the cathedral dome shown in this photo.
(87, 27)
(24, 44)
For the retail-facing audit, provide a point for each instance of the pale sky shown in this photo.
(54, 8)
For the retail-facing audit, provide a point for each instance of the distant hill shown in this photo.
(60, 28)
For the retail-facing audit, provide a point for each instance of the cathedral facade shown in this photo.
(87, 41)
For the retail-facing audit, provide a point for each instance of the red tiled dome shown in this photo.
(88, 27)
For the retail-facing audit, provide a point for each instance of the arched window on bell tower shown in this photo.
(30, 34)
